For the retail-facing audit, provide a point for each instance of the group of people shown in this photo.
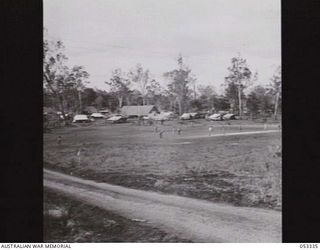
(178, 131)
(174, 131)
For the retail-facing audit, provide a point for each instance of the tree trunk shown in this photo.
(120, 99)
(143, 101)
(80, 102)
(60, 98)
(109, 104)
(212, 103)
(240, 103)
(128, 100)
(276, 106)
(180, 107)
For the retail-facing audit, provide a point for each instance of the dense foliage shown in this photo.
(66, 89)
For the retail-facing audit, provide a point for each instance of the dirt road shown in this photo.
(197, 220)
(231, 134)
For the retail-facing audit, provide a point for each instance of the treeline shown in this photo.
(66, 89)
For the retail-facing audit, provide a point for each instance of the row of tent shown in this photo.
(121, 118)
(145, 112)
(220, 117)
(213, 117)
(160, 117)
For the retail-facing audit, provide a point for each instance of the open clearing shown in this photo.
(243, 170)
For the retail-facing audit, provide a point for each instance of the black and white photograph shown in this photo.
(162, 121)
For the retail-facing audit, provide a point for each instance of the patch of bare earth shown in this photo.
(68, 220)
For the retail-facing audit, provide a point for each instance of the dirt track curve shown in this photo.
(197, 220)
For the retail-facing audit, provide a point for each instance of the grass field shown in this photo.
(244, 170)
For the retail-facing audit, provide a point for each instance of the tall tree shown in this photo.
(59, 80)
(259, 101)
(54, 70)
(275, 90)
(179, 85)
(119, 85)
(109, 100)
(206, 90)
(253, 104)
(196, 105)
(99, 102)
(221, 103)
(88, 96)
(171, 103)
(141, 77)
(136, 98)
(239, 77)
(207, 96)
(75, 82)
(154, 93)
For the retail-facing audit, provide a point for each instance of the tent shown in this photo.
(81, 118)
(97, 115)
(229, 117)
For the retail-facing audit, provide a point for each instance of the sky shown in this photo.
(103, 35)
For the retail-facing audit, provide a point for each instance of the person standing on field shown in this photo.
(210, 130)
(179, 131)
(173, 130)
(59, 140)
(161, 134)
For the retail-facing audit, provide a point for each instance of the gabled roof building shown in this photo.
(139, 110)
